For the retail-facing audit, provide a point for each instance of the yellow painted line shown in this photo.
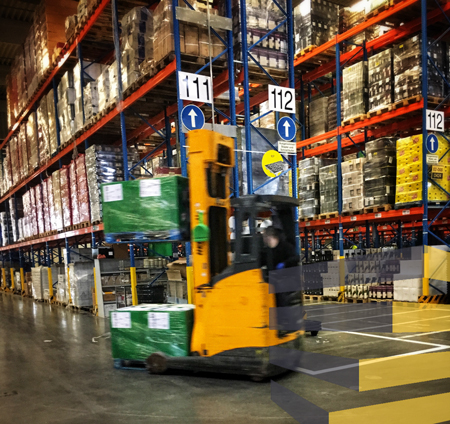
(424, 410)
(420, 318)
(402, 370)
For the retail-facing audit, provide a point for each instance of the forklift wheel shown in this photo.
(258, 379)
(156, 363)
(314, 333)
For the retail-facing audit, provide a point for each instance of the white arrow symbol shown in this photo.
(193, 115)
(286, 129)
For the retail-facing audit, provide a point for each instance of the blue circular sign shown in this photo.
(432, 143)
(286, 128)
(192, 117)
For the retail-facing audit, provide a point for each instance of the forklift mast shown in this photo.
(211, 159)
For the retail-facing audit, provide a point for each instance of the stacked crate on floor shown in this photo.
(262, 16)
(315, 23)
(408, 68)
(354, 92)
(352, 185)
(381, 80)
(409, 173)
(328, 184)
(379, 172)
(308, 187)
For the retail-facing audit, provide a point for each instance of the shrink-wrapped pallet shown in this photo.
(46, 207)
(66, 196)
(82, 190)
(74, 193)
(58, 213)
(39, 209)
(51, 202)
(23, 143)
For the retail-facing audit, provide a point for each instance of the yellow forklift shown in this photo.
(235, 322)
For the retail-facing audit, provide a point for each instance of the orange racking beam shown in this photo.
(65, 52)
(55, 237)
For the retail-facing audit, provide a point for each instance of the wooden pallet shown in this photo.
(330, 298)
(49, 233)
(354, 120)
(328, 215)
(79, 308)
(378, 112)
(378, 10)
(379, 300)
(304, 51)
(351, 213)
(374, 209)
(352, 300)
(437, 100)
(78, 226)
(326, 55)
(312, 298)
(405, 102)
(308, 218)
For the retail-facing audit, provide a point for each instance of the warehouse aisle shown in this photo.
(52, 372)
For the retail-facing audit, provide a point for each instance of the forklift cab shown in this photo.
(247, 247)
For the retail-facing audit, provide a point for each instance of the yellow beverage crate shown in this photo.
(412, 168)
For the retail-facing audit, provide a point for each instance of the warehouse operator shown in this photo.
(278, 253)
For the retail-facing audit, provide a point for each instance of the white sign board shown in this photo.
(194, 87)
(432, 159)
(282, 99)
(435, 120)
(159, 320)
(288, 147)
(150, 188)
(112, 193)
(120, 320)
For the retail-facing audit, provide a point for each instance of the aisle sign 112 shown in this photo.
(435, 120)
(281, 99)
(194, 87)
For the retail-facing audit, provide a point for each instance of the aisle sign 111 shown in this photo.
(194, 87)
(281, 99)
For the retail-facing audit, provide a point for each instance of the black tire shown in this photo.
(314, 333)
(156, 363)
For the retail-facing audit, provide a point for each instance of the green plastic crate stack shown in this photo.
(139, 331)
(153, 208)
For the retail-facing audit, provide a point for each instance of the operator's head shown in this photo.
(271, 237)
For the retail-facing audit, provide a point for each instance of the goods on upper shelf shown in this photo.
(379, 172)
(315, 22)
(262, 16)
(381, 80)
(155, 208)
(354, 91)
(33, 60)
(318, 116)
(328, 184)
(408, 68)
(410, 172)
(352, 185)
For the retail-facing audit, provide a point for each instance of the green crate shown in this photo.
(155, 208)
(139, 331)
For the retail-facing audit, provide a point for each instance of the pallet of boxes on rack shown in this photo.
(262, 17)
(379, 174)
(352, 186)
(409, 180)
(315, 23)
(354, 93)
(328, 185)
(34, 60)
(194, 40)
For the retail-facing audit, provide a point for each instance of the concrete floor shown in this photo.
(51, 371)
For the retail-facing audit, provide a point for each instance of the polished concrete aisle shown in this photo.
(53, 371)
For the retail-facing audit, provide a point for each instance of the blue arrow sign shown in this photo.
(432, 143)
(192, 117)
(286, 128)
